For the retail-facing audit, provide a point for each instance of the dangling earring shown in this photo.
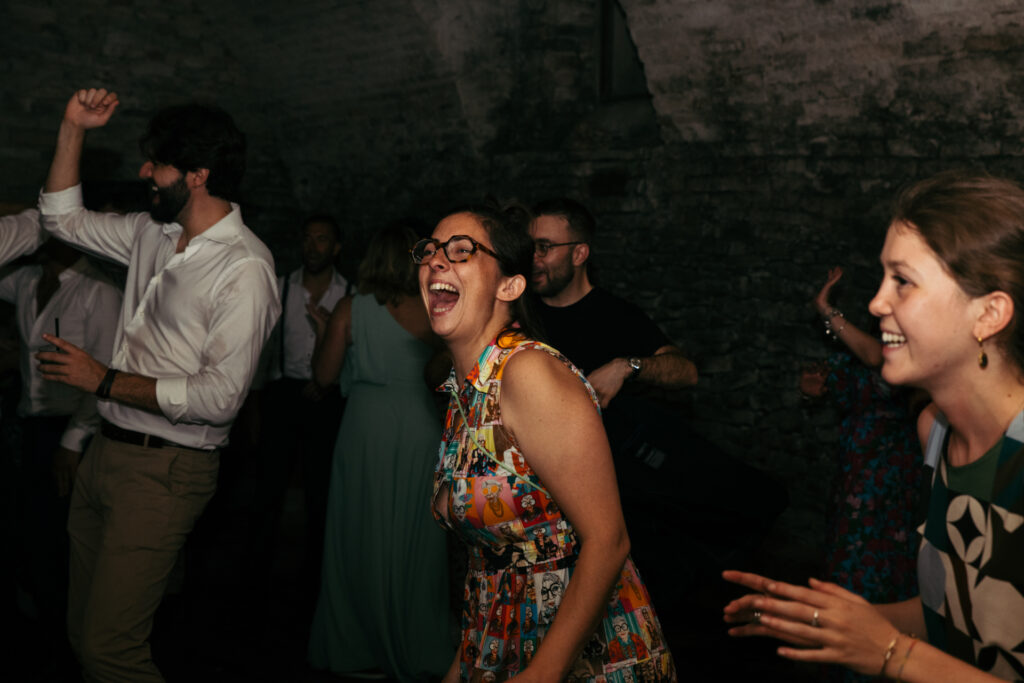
(982, 356)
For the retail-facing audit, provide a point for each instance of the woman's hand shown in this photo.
(827, 623)
(812, 380)
(821, 299)
(319, 315)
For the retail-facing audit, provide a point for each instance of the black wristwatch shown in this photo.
(635, 366)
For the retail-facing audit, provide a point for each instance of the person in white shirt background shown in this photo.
(200, 301)
(62, 292)
(20, 233)
(302, 419)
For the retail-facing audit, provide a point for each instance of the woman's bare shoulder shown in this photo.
(411, 314)
(536, 377)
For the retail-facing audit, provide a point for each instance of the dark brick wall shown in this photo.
(775, 136)
(152, 56)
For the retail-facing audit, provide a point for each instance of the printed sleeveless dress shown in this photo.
(522, 550)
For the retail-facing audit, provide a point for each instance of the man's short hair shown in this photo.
(326, 219)
(581, 222)
(194, 136)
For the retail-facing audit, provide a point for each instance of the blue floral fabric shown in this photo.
(872, 544)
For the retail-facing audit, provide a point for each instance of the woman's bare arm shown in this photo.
(562, 437)
(333, 336)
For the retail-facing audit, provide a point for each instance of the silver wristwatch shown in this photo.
(635, 366)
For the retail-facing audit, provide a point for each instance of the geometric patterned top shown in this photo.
(971, 560)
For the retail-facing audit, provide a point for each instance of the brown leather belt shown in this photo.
(115, 433)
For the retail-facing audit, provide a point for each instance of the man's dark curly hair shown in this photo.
(194, 136)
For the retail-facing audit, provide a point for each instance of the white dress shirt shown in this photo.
(87, 305)
(20, 234)
(195, 321)
(298, 331)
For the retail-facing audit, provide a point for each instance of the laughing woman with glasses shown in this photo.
(524, 452)
(950, 307)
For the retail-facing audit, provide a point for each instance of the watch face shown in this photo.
(635, 364)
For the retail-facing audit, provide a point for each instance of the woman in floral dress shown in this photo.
(551, 592)
(871, 546)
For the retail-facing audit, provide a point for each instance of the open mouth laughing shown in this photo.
(441, 297)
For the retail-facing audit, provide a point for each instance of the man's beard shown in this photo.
(556, 281)
(316, 264)
(172, 199)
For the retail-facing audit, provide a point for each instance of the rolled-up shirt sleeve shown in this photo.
(107, 234)
(20, 234)
(246, 306)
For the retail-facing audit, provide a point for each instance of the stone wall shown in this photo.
(774, 137)
(152, 56)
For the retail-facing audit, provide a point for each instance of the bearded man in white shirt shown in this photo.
(200, 301)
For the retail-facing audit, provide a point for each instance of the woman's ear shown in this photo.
(996, 313)
(511, 288)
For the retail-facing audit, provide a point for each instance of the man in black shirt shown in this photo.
(677, 489)
(609, 339)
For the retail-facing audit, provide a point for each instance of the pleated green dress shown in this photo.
(384, 590)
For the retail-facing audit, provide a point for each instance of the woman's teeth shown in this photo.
(442, 297)
(442, 287)
(893, 339)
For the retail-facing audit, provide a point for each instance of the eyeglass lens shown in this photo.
(457, 249)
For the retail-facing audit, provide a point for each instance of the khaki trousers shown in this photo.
(131, 509)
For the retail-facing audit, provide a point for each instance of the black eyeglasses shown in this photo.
(542, 247)
(458, 248)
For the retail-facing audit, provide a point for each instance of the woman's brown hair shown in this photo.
(386, 271)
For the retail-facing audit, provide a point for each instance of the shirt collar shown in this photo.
(1016, 429)
(74, 269)
(225, 231)
(478, 374)
(484, 368)
(486, 364)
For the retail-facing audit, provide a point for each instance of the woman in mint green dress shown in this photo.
(383, 602)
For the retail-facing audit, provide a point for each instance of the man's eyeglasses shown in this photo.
(542, 247)
(458, 248)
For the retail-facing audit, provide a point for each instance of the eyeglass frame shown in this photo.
(443, 246)
(548, 246)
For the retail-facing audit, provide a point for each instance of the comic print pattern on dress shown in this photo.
(522, 550)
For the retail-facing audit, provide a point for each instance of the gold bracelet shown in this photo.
(899, 673)
(888, 653)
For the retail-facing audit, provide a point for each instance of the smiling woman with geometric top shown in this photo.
(950, 305)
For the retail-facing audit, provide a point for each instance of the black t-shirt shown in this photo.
(598, 328)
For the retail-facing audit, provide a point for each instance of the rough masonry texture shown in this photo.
(773, 140)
